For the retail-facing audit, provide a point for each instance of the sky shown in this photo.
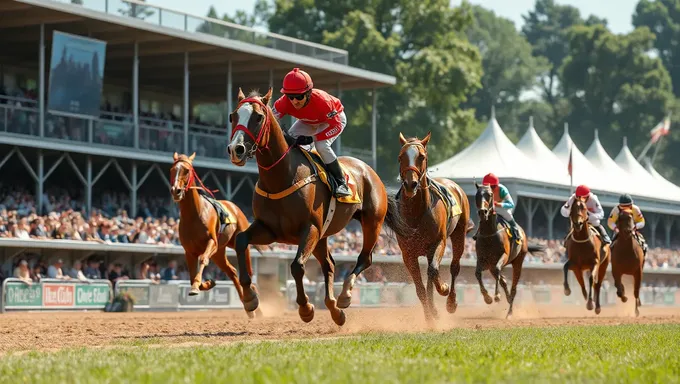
(617, 12)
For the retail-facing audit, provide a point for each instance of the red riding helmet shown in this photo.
(490, 179)
(297, 82)
(582, 191)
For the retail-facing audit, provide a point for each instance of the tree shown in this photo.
(421, 43)
(136, 10)
(77, 2)
(612, 84)
(508, 65)
(663, 18)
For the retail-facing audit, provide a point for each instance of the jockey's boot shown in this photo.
(514, 228)
(342, 189)
(603, 233)
(616, 233)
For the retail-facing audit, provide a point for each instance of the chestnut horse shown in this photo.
(199, 227)
(292, 206)
(584, 253)
(423, 209)
(628, 257)
(495, 248)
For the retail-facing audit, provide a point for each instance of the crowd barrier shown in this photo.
(175, 295)
(404, 295)
(54, 294)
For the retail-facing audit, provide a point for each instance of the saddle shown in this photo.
(515, 243)
(224, 217)
(593, 232)
(319, 168)
(452, 206)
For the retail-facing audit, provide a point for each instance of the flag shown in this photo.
(570, 165)
(661, 129)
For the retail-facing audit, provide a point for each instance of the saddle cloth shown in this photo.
(515, 243)
(224, 217)
(320, 169)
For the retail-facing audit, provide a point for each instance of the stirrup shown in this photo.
(343, 190)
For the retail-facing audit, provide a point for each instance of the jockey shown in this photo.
(595, 210)
(503, 204)
(626, 202)
(321, 119)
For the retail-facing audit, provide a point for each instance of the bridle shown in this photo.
(420, 174)
(261, 142)
(192, 178)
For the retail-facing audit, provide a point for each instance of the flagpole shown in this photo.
(644, 150)
(656, 150)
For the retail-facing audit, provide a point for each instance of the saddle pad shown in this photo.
(452, 206)
(320, 167)
(225, 218)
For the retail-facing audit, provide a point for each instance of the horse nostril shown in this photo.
(228, 149)
(240, 150)
(414, 184)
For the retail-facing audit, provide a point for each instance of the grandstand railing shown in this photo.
(174, 295)
(169, 18)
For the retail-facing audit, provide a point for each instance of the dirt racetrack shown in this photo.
(55, 330)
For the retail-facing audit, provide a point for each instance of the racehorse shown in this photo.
(627, 257)
(495, 248)
(292, 205)
(202, 234)
(425, 207)
(584, 252)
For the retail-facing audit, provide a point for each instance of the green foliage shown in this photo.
(591, 354)
(137, 11)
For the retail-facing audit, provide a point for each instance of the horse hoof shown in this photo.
(488, 299)
(344, 301)
(598, 310)
(590, 306)
(251, 315)
(497, 298)
(451, 305)
(624, 299)
(252, 304)
(567, 291)
(306, 312)
(339, 317)
(508, 316)
(637, 312)
(208, 285)
(445, 289)
(193, 292)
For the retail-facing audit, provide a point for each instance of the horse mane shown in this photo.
(290, 140)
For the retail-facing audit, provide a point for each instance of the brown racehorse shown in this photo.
(627, 257)
(584, 253)
(291, 205)
(495, 250)
(423, 209)
(199, 227)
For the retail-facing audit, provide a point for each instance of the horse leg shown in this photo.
(579, 277)
(308, 241)
(371, 231)
(257, 233)
(567, 290)
(434, 261)
(411, 263)
(589, 304)
(482, 289)
(516, 274)
(327, 263)
(620, 291)
(458, 248)
(203, 260)
(220, 259)
(636, 290)
(496, 272)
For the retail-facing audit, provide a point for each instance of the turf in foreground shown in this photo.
(597, 354)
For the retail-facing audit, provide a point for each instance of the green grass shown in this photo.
(594, 354)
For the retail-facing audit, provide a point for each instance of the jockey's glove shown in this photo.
(304, 140)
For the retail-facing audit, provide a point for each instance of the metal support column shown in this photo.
(186, 102)
(133, 190)
(550, 209)
(530, 208)
(374, 130)
(40, 181)
(229, 194)
(41, 81)
(135, 94)
(653, 220)
(230, 102)
(668, 221)
(88, 185)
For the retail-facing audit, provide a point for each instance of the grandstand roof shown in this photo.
(616, 178)
(493, 152)
(646, 176)
(540, 155)
(164, 37)
(584, 172)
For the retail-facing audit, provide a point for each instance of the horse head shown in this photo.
(578, 214)
(182, 175)
(484, 202)
(625, 222)
(412, 163)
(251, 123)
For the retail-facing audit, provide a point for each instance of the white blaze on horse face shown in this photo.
(243, 113)
(412, 154)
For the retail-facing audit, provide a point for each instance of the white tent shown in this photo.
(638, 175)
(541, 156)
(612, 174)
(584, 172)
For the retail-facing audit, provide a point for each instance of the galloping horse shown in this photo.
(627, 257)
(436, 209)
(292, 205)
(202, 234)
(495, 249)
(584, 249)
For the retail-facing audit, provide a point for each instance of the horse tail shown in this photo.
(470, 226)
(534, 248)
(393, 218)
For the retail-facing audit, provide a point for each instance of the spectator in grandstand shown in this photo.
(21, 231)
(37, 229)
(77, 271)
(3, 228)
(21, 272)
(170, 272)
(37, 274)
(55, 271)
(118, 274)
(92, 270)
